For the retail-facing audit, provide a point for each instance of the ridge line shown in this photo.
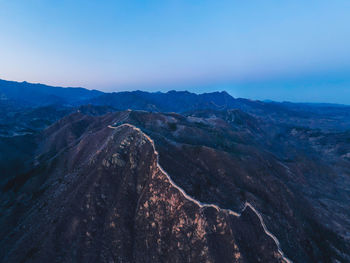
(201, 204)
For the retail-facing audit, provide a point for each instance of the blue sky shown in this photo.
(280, 50)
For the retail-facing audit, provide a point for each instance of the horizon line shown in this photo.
(173, 90)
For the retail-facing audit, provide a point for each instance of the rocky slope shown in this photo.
(298, 181)
(98, 194)
(296, 178)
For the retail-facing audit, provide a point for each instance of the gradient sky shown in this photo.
(279, 50)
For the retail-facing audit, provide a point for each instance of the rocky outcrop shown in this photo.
(114, 203)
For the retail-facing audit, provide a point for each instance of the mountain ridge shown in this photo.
(113, 189)
(224, 158)
(202, 205)
(328, 117)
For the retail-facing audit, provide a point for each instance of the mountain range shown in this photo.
(134, 176)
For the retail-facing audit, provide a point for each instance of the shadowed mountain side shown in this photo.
(227, 158)
(113, 203)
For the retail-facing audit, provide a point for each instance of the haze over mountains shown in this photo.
(15, 95)
(89, 176)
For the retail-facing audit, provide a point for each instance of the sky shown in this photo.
(279, 50)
